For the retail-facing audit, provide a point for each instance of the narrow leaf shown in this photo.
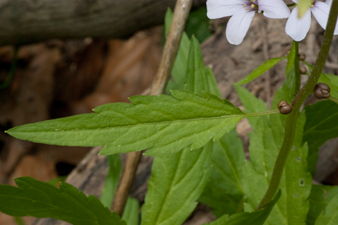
(131, 211)
(252, 218)
(319, 198)
(40, 199)
(199, 78)
(260, 70)
(291, 57)
(164, 124)
(112, 180)
(176, 183)
(320, 126)
(180, 65)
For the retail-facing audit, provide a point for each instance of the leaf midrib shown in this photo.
(132, 125)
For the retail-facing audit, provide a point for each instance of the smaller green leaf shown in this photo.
(320, 196)
(131, 212)
(260, 70)
(112, 179)
(252, 218)
(199, 78)
(175, 184)
(41, 200)
(330, 215)
(303, 6)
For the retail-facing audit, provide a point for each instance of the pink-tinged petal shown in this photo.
(223, 8)
(298, 28)
(321, 11)
(275, 9)
(238, 26)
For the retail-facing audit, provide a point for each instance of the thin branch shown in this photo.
(171, 46)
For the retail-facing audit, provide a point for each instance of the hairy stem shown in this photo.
(171, 46)
(291, 119)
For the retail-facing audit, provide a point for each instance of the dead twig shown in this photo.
(181, 12)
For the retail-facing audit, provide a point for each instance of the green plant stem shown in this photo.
(291, 119)
(296, 66)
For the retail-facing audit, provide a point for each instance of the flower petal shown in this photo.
(329, 2)
(321, 11)
(223, 8)
(275, 9)
(298, 28)
(238, 26)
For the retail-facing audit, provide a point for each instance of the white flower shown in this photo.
(297, 28)
(242, 12)
(329, 2)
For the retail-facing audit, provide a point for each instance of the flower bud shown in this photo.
(303, 70)
(302, 56)
(284, 107)
(322, 91)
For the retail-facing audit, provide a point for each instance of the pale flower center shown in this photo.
(252, 5)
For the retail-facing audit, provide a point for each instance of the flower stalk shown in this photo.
(291, 120)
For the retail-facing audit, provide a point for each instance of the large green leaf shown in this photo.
(319, 197)
(175, 185)
(223, 192)
(330, 215)
(321, 125)
(163, 124)
(40, 199)
(260, 70)
(252, 218)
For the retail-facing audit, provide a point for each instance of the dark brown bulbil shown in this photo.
(303, 70)
(302, 56)
(284, 107)
(322, 91)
